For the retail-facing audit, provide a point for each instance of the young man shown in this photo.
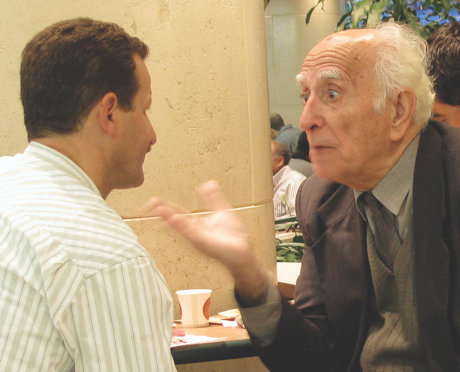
(444, 69)
(78, 291)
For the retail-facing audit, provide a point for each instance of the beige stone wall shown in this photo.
(210, 112)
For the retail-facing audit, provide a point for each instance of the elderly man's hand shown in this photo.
(221, 235)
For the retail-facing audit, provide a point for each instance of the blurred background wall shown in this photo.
(288, 41)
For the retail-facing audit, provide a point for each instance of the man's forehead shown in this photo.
(340, 55)
(349, 35)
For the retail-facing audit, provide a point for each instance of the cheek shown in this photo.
(358, 140)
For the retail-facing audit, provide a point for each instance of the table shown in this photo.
(237, 345)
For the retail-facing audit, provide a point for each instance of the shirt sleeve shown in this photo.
(263, 320)
(121, 320)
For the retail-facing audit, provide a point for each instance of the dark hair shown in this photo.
(303, 147)
(276, 121)
(281, 149)
(69, 66)
(444, 63)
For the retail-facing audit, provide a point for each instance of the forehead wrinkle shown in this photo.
(346, 58)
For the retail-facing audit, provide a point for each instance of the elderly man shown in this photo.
(444, 68)
(77, 290)
(379, 288)
(286, 181)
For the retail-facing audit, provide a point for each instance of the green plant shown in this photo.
(289, 241)
(289, 252)
(364, 13)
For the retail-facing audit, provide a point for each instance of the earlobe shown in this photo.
(107, 113)
(405, 104)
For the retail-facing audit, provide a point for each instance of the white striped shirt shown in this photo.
(77, 290)
(286, 183)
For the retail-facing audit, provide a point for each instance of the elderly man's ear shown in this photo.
(403, 113)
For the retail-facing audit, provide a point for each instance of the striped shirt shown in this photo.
(286, 183)
(77, 290)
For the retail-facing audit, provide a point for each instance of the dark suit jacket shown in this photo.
(327, 328)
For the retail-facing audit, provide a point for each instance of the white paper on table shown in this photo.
(229, 323)
(192, 339)
(232, 314)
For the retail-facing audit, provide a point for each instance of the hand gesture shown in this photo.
(219, 234)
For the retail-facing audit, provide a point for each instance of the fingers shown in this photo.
(212, 196)
(210, 193)
(156, 202)
(147, 209)
(189, 227)
(174, 215)
(180, 222)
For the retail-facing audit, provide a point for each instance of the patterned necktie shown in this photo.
(387, 241)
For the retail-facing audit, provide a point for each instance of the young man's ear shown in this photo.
(405, 104)
(108, 113)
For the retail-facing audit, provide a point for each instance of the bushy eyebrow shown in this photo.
(330, 74)
(323, 75)
(300, 79)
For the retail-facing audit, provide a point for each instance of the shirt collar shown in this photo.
(393, 189)
(40, 151)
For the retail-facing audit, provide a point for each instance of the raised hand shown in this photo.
(221, 235)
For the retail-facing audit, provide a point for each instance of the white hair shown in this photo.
(402, 62)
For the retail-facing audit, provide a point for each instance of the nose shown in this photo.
(311, 115)
(153, 134)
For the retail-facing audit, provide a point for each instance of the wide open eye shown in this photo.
(333, 94)
(304, 97)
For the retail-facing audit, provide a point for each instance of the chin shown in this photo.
(140, 181)
(325, 178)
(319, 171)
(325, 175)
(133, 182)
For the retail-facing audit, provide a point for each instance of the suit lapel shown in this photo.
(340, 256)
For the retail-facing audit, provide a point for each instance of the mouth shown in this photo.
(319, 147)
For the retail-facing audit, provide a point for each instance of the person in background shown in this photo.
(300, 160)
(286, 181)
(77, 291)
(379, 288)
(284, 133)
(444, 69)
